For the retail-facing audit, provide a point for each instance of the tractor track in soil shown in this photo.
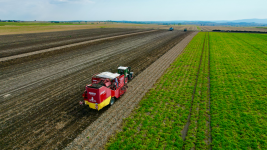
(49, 117)
(186, 127)
(209, 109)
(97, 134)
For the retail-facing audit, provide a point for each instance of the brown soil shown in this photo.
(39, 102)
(23, 43)
(12, 29)
(11, 60)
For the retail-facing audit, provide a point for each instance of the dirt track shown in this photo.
(39, 102)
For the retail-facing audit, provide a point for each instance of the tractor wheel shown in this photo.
(130, 77)
(112, 101)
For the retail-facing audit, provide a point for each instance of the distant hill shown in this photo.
(253, 20)
(233, 23)
(263, 21)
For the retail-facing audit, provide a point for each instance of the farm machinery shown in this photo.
(171, 29)
(185, 29)
(106, 87)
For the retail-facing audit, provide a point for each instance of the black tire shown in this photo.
(112, 101)
(130, 77)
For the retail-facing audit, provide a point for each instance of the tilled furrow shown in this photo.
(23, 104)
(60, 105)
(64, 65)
(33, 38)
(25, 56)
(37, 64)
(71, 122)
(19, 47)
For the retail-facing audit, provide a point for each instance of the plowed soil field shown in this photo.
(39, 99)
(22, 43)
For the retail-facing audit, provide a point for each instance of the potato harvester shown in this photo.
(106, 87)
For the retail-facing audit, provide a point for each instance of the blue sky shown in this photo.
(132, 10)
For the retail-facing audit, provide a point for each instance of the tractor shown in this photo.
(126, 71)
(171, 29)
(106, 87)
(185, 29)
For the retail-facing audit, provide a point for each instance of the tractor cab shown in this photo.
(126, 71)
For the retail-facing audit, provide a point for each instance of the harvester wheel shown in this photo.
(112, 101)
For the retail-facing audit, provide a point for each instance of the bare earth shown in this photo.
(24, 43)
(30, 54)
(39, 102)
(6, 30)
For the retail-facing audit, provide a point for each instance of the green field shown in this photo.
(199, 29)
(238, 90)
(217, 86)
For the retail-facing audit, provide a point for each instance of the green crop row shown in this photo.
(236, 65)
(238, 91)
(198, 133)
(161, 115)
(255, 42)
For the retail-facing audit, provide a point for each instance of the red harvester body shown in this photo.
(103, 90)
